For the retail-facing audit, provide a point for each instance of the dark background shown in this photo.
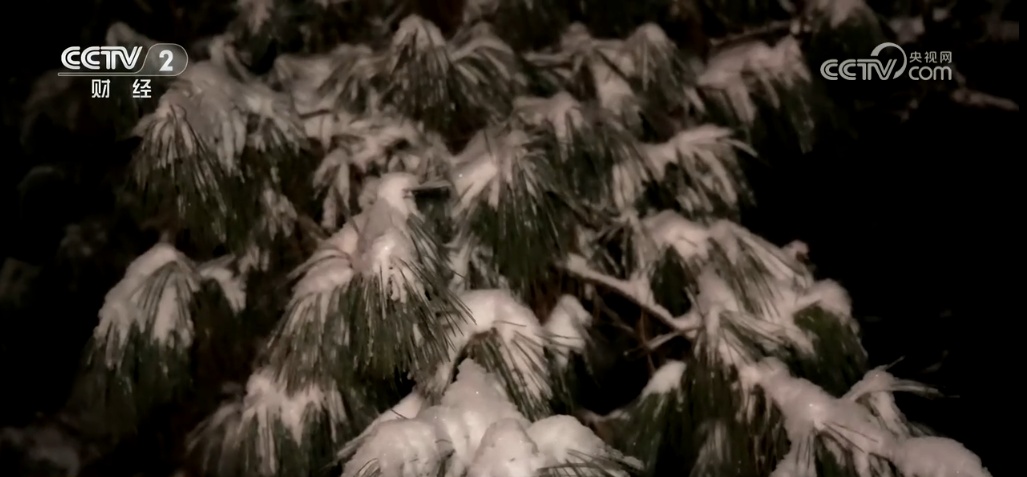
(912, 210)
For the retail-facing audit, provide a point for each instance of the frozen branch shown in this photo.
(778, 28)
(979, 99)
(682, 325)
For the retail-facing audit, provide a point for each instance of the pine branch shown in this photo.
(683, 325)
(979, 99)
(772, 30)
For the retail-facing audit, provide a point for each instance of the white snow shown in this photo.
(506, 451)
(279, 216)
(523, 338)
(875, 391)
(256, 12)
(561, 112)
(233, 286)
(614, 91)
(936, 457)
(666, 379)
(565, 440)
(490, 162)
(478, 432)
(669, 229)
(839, 11)
(170, 326)
(267, 402)
(376, 242)
(373, 139)
(809, 410)
(333, 174)
(407, 408)
(453, 428)
(567, 327)
(423, 33)
(399, 448)
(708, 154)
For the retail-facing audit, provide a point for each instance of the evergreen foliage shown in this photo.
(467, 184)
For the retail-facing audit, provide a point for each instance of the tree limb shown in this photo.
(683, 325)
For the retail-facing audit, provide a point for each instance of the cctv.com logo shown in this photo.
(873, 68)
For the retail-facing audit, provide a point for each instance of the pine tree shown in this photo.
(421, 210)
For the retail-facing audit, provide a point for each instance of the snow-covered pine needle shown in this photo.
(303, 77)
(847, 432)
(139, 353)
(506, 450)
(440, 440)
(505, 337)
(507, 188)
(274, 125)
(231, 282)
(588, 140)
(278, 216)
(261, 26)
(570, 336)
(421, 75)
(374, 145)
(700, 170)
(662, 72)
(592, 68)
(407, 408)
(374, 297)
(310, 340)
(657, 416)
(275, 432)
(192, 152)
(745, 261)
(876, 392)
(750, 85)
(568, 328)
(571, 449)
(333, 181)
(842, 27)
(931, 456)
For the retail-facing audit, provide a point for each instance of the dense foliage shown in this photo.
(354, 200)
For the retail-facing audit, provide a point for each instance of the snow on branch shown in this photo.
(645, 423)
(210, 147)
(837, 13)
(647, 61)
(698, 167)
(849, 431)
(507, 339)
(272, 431)
(421, 75)
(505, 187)
(369, 146)
(140, 352)
(589, 141)
(373, 297)
(474, 429)
(745, 261)
(636, 291)
(743, 81)
(567, 327)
